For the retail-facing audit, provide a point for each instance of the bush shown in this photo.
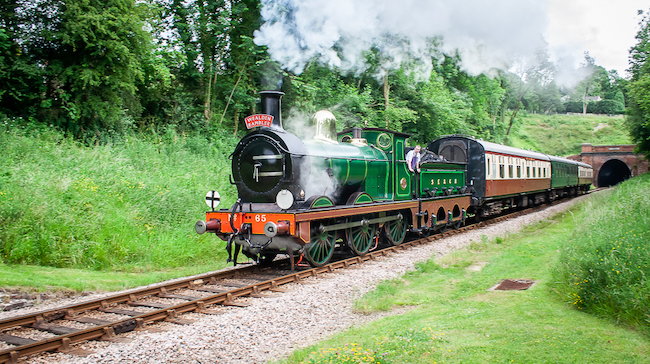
(610, 107)
(573, 106)
(605, 269)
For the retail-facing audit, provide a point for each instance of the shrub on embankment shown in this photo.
(605, 267)
(128, 205)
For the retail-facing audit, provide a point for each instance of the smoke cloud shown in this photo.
(298, 123)
(567, 75)
(486, 34)
(319, 181)
(315, 179)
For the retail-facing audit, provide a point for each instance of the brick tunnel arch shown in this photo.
(614, 171)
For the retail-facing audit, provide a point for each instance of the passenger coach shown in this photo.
(502, 177)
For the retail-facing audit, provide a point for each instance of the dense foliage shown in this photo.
(639, 106)
(97, 69)
(606, 268)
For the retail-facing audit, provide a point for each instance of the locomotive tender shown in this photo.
(308, 197)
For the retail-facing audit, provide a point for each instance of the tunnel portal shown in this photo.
(613, 172)
(612, 164)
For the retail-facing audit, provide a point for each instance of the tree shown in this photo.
(21, 72)
(549, 98)
(638, 112)
(531, 74)
(597, 83)
(99, 63)
(76, 63)
(221, 63)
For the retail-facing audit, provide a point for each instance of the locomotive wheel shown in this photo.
(395, 231)
(359, 238)
(320, 249)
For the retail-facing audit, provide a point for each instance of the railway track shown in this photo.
(63, 329)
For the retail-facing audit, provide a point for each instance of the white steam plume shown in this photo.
(315, 179)
(487, 34)
(298, 123)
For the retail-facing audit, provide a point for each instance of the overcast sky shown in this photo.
(604, 28)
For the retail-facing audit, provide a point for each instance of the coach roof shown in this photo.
(502, 149)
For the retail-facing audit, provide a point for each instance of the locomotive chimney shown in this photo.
(271, 106)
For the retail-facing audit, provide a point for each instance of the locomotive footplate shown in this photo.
(259, 228)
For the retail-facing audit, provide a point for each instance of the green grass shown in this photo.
(564, 134)
(606, 269)
(129, 206)
(39, 278)
(456, 319)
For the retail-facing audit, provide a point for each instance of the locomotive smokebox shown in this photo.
(271, 105)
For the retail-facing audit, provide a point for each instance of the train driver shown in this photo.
(413, 159)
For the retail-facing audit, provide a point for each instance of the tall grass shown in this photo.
(129, 205)
(605, 268)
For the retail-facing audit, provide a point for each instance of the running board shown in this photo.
(347, 225)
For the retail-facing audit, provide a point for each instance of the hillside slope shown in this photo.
(563, 135)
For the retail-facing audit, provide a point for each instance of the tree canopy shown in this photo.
(96, 69)
(639, 89)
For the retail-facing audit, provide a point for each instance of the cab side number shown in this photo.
(260, 218)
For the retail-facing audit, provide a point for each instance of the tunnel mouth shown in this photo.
(613, 172)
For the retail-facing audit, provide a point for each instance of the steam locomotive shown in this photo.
(353, 188)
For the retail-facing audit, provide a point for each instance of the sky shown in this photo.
(604, 28)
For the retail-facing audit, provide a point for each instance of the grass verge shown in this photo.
(456, 319)
(39, 278)
(606, 268)
(129, 207)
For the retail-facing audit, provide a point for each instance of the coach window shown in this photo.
(510, 171)
(488, 167)
(502, 172)
(518, 171)
(533, 172)
(527, 172)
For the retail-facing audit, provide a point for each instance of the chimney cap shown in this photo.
(271, 92)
